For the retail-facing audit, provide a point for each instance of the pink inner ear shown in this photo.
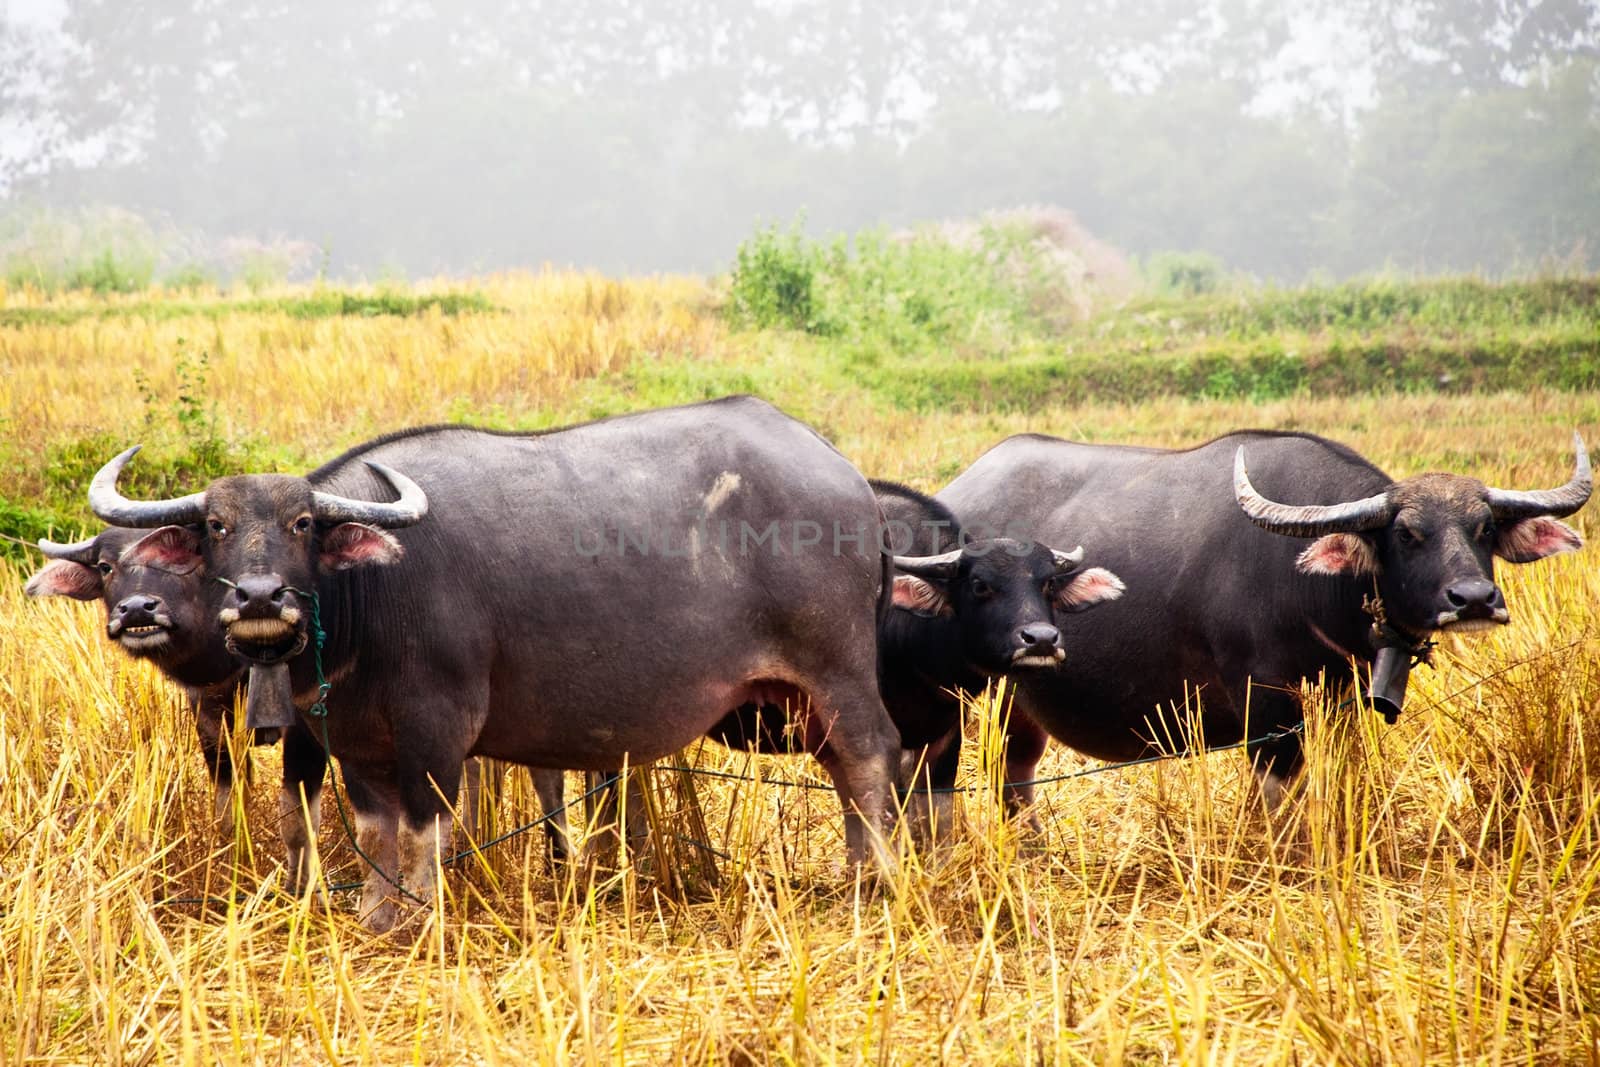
(1531, 539)
(171, 548)
(354, 544)
(1340, 553)
(62, 577)
(1088, 588)
(914, 594)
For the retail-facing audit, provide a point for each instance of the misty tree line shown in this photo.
(636, 136)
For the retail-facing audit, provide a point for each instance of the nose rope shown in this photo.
(319, 638)
(1386, 639)
(319, 712)
(1385, 633)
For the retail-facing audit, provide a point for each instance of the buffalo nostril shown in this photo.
(151, 605)
(261, 594)
(1475, 593)
(1034, 636)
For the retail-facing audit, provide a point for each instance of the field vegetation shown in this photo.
(1429, 896)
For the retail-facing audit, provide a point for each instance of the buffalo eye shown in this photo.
(219, 529)
(104, 567)
(1409, 537)
(981, 588)
(302, 525)
(1485, 531)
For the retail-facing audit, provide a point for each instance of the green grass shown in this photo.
(1267, 367)
(918, 324)
(23, 524)
(323, 304)
(1439, 304)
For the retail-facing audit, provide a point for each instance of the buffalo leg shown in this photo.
(600, 811)
(1025, 745)
(551, 787)
(213, 717)
(860, 753)
(305, 765)
(931, 776)
(611, 827)
(424, 818)
(376, 805)
(1276, 761)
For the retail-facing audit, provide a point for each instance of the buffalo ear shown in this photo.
(355, 544)
(171, 548)
(1339, 553)
(1536, 538)
(921, 596)
(1088, 588)
(64, 577)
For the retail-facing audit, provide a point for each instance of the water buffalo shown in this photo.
(963, 612)
(967, 611)
(566, 600)
(160, 615)
(1253, 561)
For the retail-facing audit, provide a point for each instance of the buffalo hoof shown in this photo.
(378, 916)
(297, 879)
(222, 811)
(408, 924)
(930, 819)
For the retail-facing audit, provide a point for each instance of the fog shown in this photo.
(380, 138)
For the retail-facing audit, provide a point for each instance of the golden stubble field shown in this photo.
(1429, 897)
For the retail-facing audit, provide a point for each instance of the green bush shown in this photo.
(23, 525)
(922, 293)
(190, 278)
(1184, 273)
(106, 273)
(99, 249)
(972, 286)
(774, 280)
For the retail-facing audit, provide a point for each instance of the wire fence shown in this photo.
(610, 779)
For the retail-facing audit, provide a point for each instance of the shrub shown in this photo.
(1184, 273)
(23, 525)
(773, 281)
(190, 277)
(102, 249)
(1043, 255)
(969, 284)
(107, 274)
(264, 264)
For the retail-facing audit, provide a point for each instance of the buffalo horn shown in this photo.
(409, 509)
(1308, 520)
(78, 551)
(1066, 561)
(936, 568)
(1510, 504)
(111, 506)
